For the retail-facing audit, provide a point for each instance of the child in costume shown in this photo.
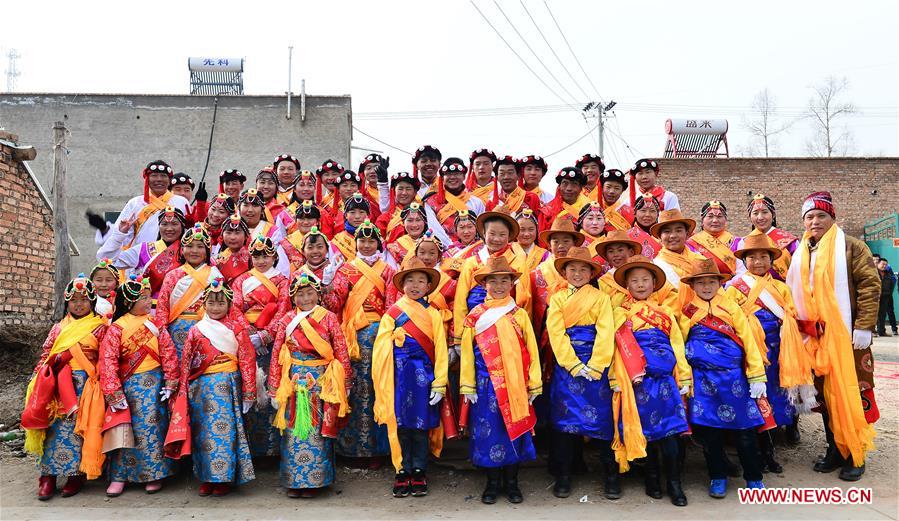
(409, 370)
(64, 404)
(308, 382)
(261, 298)
(528, 231)
(233, 258)
(580, 327)
(772, 315)
(360, 295)
(655, 396)
(728, 373)
(356, 210)
(180, 302)
(139, 373)
(105, 278)
(500, 377)
(218, 386)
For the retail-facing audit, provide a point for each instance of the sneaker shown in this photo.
(419, 483)
(755, 484)
(718, 488)
(402, 484)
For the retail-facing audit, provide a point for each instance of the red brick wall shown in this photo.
(27, 253)
(788, 181)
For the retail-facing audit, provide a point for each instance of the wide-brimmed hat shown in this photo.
(413, 265)
(495, 266)
(704, 268)
(562, 225)
(501, 212)
(758, 241)
(639, 261)
(578, 254)
(669, 217)
(616, 237)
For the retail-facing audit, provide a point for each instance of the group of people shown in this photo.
(376, 316)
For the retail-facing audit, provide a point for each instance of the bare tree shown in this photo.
(764, 125)
(824, 107)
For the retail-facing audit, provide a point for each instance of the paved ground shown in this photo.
(455, 493)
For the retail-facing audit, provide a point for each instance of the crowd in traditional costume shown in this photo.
(372, 317)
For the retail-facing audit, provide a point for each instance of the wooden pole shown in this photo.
(60, 222)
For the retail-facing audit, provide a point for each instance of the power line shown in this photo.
(575, 142)
(572, 51)
(381, 142)
(578, 85)
(519, 57)
(526, 44)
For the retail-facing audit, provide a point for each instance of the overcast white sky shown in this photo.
(656, 59)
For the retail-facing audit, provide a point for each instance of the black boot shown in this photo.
(832, 459)
(653, 486)
(850, 472)
(562, 488)
(611, 486)
(766, 448)
(510, 474)
(792, 431)
(492, 489)
(672, 473)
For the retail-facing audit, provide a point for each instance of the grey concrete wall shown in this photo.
(113, 136)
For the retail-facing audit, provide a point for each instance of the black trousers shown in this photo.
(712, 440)
(886, 310)
(414, 445)
(568, 446)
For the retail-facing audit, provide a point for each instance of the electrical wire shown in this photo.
(556, 94)
(572, 52)
(539, 60)
(562, 64)
(215, 109)
(575, 142)
(379, 141)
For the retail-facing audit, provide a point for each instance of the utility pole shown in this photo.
(600, 115)
(60, 221)
(11, 71)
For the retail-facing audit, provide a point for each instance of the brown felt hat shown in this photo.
(639, 261)
(758, 241)
(616, 237)
(413, 265)
(495, 266)
(559, 226)
(501, 212)
(704, 268)
(669, 217)
(578, 254)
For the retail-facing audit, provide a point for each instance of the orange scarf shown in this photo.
(156, 204)
(354, 314)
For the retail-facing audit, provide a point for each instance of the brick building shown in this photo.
(27, 255)
(863, 188)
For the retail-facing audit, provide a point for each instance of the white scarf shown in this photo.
(219, 335)
(491, 316)
(766, 297)
(185, 282)
(251, 283)
(291, 327)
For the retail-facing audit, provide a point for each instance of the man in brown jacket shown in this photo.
(836, 289)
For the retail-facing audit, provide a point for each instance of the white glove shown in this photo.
(452, 355)
(531, 398)
(758, 390)
(435, 398)
(685, 390)
(247, 405)
(583, 373)
(165, 394)
(275, 404)
(471, 398)
(615, 388)
(121, 406)
(256, 340)
(861, 338)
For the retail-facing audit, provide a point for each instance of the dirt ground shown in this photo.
(455, 493)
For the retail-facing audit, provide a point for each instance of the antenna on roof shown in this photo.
(11, 71)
